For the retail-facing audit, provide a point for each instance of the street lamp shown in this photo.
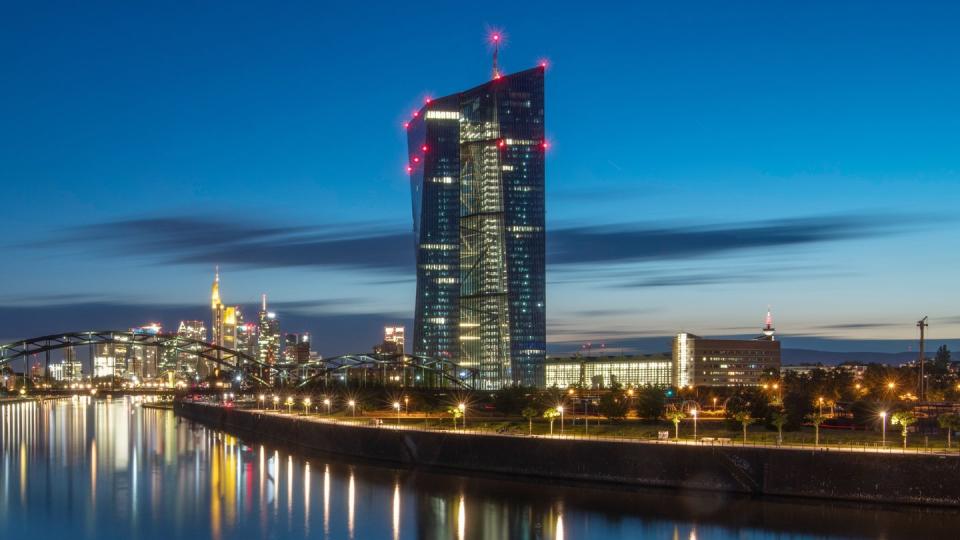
(276, 403)
(820, 401)
(463, 412)
(560, 410)
(406, 405)
(694, 413)
(396, 405)
(290, 404)
(306, 406)
(326, 401)
(353, 408)
(714, 403)
(883, 420)
(261, 397)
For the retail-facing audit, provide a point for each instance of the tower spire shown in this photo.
(496, 52)
(263, 299)
(768, 329)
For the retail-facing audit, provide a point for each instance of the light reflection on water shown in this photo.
(99, 469)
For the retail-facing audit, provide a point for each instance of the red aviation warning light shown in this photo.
(495, 38)
(416, 159)
(409, 169)
(406, 125)
(424, 148)
(501, 143)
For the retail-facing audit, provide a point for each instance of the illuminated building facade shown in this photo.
(67, 371)
(476, 165)
(247, 339)
(296, 348)
(726, 362)
(394, 340)
(268, 339)
(605, 371)
(217, 311)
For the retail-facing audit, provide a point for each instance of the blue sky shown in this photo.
(707, 160)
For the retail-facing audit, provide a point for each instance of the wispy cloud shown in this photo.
(638, 242)
(180, 240)
(390, 247)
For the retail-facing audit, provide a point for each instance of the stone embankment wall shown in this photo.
(895, 478)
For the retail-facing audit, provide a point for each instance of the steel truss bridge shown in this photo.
(186, 355)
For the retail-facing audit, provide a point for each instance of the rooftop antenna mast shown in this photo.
(496, 52)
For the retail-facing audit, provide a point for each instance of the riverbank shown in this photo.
(875, 477)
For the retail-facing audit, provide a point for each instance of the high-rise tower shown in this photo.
(476, 165)
(268, 341)
(217, 310)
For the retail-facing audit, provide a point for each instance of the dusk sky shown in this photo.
(706, 160)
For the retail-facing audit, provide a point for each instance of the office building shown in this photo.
(268, 338)
(476, 165)
(726, 362)
(598, 372)
(296, 348)
(247, 339)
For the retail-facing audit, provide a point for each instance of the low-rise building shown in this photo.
(605, 371)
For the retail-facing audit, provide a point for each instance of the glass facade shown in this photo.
(477, 181)
(604, 372)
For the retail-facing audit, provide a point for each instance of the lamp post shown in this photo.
(406, 405)
(694, 413)
(820, 403)
(261, 397)
(463, 412)
(396, 405)
(714, 403)
(586, 417)
(276, 403)
(353, 408)
(290, 404)
(883, 422)
(306, 406)
(326, 401)
(560, 410)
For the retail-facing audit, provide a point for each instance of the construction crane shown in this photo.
(922, 325)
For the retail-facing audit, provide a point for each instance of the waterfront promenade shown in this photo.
(890, 475)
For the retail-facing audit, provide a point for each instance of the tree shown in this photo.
(951, 423)
(745, 420)
(510, 400)
(779, 419)
(650, 402)
(530, 413)
(676, 416)
(904, 419)
(941, 361)
(816, 419)
(614, 404)
(551, 414)
(456, 413)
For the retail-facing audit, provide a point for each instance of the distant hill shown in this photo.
(808, 356)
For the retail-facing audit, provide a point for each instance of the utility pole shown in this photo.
(922, 325)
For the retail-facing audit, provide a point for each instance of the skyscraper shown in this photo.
(268, 342)
(216, 308)
(476, 165)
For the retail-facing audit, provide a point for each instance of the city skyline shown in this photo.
(806, 174)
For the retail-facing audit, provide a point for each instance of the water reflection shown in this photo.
(99, 469)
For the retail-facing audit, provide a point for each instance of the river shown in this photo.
(112, 469)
